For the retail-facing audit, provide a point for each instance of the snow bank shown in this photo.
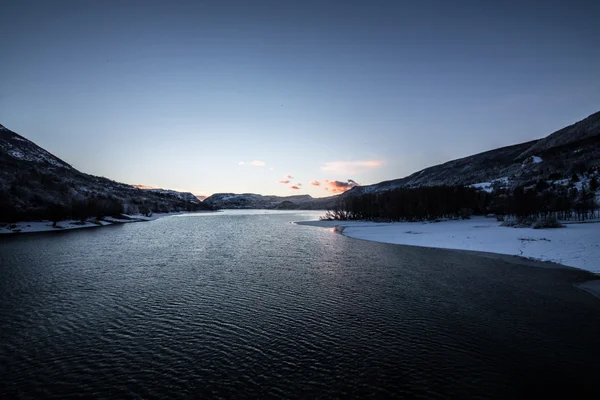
(46, 226)
(43, 226)
(577, 245)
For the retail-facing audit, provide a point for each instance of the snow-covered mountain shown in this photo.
(35, 184)
(554, 157)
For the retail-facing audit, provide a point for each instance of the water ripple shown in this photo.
(248, 305)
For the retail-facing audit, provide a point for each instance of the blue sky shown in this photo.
(187, 95)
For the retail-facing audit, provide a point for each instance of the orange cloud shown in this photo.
(294, 187)
(339, 186)
(287, 179)
(350, 167)
(315, 183)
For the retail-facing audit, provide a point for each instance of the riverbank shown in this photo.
(47, 226)
(576, 245)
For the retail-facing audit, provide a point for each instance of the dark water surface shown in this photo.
(249, 305)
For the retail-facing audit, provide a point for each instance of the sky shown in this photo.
(290, 97)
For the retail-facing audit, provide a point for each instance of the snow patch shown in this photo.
(490, 186)
(16, 154)
(531, 160)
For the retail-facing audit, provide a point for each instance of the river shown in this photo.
(247, 304)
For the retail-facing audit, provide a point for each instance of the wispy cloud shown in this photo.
(295, 187)
(351, 167)
(298, 184)
(255, 163)
(315, 183)
(339, 186)
(287, 179)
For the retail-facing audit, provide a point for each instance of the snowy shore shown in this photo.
(576, 245)
(46, 226)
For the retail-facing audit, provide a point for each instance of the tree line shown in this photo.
(531, 201)
(97, 207)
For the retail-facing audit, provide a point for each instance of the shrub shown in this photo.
(517, 223)
(554, 176)
(547, 222)
(465, 213)
(509, 223)
(541, 185)
(579, 167)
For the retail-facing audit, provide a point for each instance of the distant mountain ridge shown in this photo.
(187, 196)
(35, 184)
(257, 201)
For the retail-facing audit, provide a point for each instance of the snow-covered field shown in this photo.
(46, 226)
(576, 245)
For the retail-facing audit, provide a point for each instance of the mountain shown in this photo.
(578, 132)
(257, 201)
(35, 184)
(559, 155)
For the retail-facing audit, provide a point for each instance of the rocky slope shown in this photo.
(580, 131)
(35, 184)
